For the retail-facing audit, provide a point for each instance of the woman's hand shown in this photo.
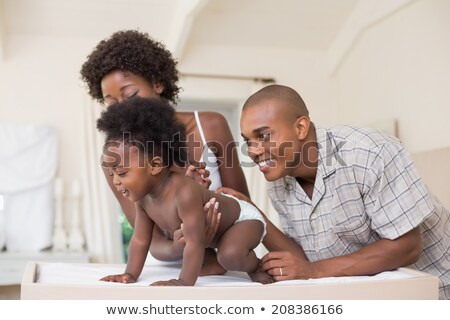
(122, 278)
(212, 221)
(234, 193)
(285, 265)
(199, 174)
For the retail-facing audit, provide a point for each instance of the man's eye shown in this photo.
(264, 136)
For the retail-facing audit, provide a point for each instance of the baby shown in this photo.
(144, 150)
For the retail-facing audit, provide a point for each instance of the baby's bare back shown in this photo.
(164, 210)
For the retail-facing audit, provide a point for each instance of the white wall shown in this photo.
(39, 83)
(400, 68)
(305, 71)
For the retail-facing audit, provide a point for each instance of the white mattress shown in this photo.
(89, 274)
(43, 280)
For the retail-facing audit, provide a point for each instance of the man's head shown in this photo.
(275, 125)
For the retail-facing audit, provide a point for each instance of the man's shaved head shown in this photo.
(289, 98)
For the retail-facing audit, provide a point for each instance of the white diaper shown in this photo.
(249, 212)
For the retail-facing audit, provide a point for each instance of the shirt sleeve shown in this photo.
(396, 199)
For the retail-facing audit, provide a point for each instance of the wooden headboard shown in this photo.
(434, 168)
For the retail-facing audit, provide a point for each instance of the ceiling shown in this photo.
(286, 24)
(296, 24)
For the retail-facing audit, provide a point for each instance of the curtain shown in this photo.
(100, 209)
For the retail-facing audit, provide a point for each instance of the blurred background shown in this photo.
(378, 63)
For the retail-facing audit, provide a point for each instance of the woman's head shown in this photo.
(131, 54)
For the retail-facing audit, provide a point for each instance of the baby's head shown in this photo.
(149, 125)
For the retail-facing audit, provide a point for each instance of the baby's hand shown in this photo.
(122, 278)
(171, 282)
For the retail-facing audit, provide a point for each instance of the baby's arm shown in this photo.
(137, 250)
(190, 211)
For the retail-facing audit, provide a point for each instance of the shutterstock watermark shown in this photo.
(216, 154)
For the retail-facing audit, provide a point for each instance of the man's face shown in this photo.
(269, 130)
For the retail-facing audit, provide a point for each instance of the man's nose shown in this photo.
(255, 149)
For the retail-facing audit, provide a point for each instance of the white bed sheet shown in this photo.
(89, 274)
(81, 281)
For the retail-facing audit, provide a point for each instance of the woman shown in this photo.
(130, 63)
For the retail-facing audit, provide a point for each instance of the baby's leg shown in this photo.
(161, 249)
(235, 250)
(210, 264)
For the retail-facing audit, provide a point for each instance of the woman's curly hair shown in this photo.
(150, 125)
(135, 52)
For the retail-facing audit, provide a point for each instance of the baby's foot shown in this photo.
(210, 264)
(261, 276)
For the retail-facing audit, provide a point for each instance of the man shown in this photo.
(350, 199)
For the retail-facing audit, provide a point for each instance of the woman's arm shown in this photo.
(164, 249)
(220, 139)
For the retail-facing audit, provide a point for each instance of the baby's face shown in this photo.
(129, 169)
(271, 138)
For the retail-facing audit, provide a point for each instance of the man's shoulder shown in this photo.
(360, 137)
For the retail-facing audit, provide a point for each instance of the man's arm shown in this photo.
(382, 255)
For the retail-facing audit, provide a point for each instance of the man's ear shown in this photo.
(302, 127)
(155, 165)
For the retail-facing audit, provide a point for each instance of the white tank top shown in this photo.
(209, 158)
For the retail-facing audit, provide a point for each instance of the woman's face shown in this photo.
(119, 85)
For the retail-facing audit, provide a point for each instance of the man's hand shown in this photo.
(284, 265)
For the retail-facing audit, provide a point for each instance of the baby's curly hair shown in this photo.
(148, 124)
(135, 52)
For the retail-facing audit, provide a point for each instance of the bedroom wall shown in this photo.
(305, 71)
(39, 84)
(399, 69)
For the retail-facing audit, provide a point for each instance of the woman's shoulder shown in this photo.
(212, 120)
(214, 125)
(205, 116)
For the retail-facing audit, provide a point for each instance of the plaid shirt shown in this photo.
(366, 188)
